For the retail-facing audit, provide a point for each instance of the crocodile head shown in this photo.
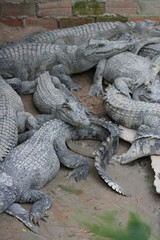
(73, 113)
(96, 50)
(7, 194)
(150, 96)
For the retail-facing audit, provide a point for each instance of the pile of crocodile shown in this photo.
(126, 56)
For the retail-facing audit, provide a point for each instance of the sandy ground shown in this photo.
(85, 199)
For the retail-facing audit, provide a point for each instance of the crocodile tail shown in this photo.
(104, 154)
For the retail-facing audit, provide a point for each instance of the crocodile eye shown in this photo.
(101, 45)
(67, 106)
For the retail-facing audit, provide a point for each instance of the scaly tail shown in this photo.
(105, 152)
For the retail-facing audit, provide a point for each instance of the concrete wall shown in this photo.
(54, 14)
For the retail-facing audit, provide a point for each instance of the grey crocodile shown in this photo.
(29, 166)
(142, 116)
(13, 118)
(107, 30)
(129, 71)
(27, 61)
(59, 103)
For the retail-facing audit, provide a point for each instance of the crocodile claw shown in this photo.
(79, 173)
(75, 87)
(95, 90)
(35, 218)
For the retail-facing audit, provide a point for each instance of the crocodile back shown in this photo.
(127, 64)
(46, 96)
(10, 103)
(33, 163)
(77, 35)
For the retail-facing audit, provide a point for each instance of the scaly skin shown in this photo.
(107, 30)
(29, 166)
(128, 71)
(28, 61)
(152, 95)
(143, 116)
(79, 34)
(146, 142)
(128, 112)
(13, 118)
(63, 105)
(150, 50)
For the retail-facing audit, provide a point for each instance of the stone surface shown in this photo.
(56, 8)
(149, 8)
(15, 10)
(49, 23)
(121, 7)
(74, 21)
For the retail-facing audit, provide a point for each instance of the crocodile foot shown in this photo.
(38, 210)
(95, 90)
(74, 86)
(35, 218)
(21, 214)
(79, 173)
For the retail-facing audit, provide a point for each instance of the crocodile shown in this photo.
(106, 30)
(13, 118)
(27, 61)
(129, 71)
(139, 115)
(58, 102)
(31, 165)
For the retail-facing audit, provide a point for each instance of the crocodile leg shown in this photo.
(80, 165)
(58, 84)
(122, 84)
(9, 68)
(61, 72)
(21, 214)
(25, 87)
(26, 120)
(26, 135)
(96, 87)
(67, 81)
(41, 203)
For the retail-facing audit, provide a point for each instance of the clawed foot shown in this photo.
(35, 218)
(74, 86)
(95, 90)
(79, 173)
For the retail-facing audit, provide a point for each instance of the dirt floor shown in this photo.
(86, 199)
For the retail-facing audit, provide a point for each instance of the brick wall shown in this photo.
(54, 14)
